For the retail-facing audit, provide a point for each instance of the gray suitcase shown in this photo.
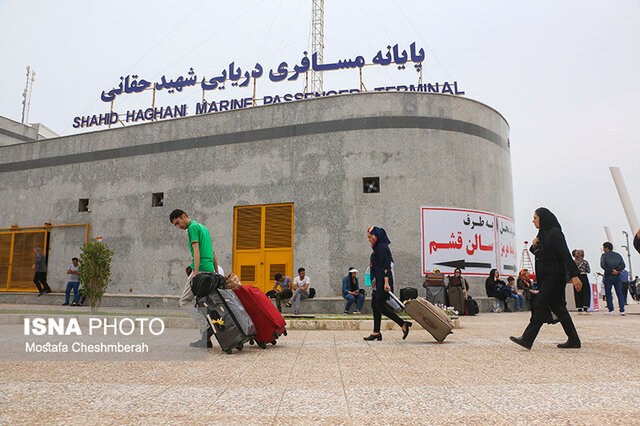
(230, 322)
(430, 317)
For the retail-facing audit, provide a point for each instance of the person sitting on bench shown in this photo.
(351, 291)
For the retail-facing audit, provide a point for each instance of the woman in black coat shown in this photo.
(495, 287)
(382, 283)
(553, 262)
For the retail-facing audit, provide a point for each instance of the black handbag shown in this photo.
(312, 292)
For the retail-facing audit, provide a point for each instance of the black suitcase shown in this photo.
(472, 306)
(229, 321)
(407, 293)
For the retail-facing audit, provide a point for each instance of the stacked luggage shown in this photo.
(436, 289)
(237, 314)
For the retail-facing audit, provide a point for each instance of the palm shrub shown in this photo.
(95, 270)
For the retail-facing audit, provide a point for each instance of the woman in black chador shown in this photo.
(382, 283)
(553, 262)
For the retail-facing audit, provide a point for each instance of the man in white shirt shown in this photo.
(301, 285)
(74, 283)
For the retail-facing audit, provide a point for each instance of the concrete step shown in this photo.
(317, 305)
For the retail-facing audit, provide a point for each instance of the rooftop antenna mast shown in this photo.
(26, 102)
(317, 42)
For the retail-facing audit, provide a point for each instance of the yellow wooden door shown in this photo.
(263, 243)
(17, 257)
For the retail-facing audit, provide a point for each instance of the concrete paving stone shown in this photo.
(309, 401)
(477, 377)
(372, 397)
(310, 419)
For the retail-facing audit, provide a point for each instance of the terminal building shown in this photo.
(280, 187)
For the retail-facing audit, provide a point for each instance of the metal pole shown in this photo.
(254, 90)
(626, 235)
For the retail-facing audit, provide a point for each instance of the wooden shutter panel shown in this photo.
(247, 273)
(248, 224)
(278, 226)
(277, 268)
(5, 254)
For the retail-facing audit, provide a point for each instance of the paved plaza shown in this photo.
(334, 377)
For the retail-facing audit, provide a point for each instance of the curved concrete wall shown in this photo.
(427, 149)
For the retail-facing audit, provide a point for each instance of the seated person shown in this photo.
(285, 292)
(301, 285)
(351, 291)
(495, 287)
(519, 298)
(524, 283)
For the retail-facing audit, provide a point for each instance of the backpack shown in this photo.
(205, 283)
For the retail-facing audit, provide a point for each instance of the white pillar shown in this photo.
(632, 218)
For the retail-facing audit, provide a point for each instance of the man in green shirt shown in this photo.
(204, 260)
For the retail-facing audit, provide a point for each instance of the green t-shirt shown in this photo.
(199, 233)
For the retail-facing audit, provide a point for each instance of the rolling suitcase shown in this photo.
(456, 299)
(268, 321)
(407, 293)
(430, 317)
(229, 321)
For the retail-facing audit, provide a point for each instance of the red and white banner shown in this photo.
(474, 241)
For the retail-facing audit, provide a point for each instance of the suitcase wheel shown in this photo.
(285, 332)
(440, 342)
(251, 342)
(228, 351)
(274, 342)
(262, 345)
(239, 347)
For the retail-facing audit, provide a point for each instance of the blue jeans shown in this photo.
(615, 281)
(519, 300)
(350, 298)
(76, 293)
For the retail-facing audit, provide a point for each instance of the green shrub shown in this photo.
(95, 270)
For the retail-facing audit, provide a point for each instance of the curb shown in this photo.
(186, 322)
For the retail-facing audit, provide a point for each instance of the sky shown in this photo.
(564, 74)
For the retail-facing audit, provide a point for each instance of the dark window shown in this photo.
(157, 200)
(83, 205)
(371, 185)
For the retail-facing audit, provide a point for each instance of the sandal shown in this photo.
(288, 305)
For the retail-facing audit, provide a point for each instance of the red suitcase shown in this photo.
(268, 321)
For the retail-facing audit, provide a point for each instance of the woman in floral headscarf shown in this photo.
(382, 283)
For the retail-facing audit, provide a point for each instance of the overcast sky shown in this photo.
(564, 74)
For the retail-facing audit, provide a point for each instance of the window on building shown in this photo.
(83, 205)
(157, 200)
(370, 185)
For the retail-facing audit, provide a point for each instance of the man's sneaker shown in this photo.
(357, 312)
(622, 313)
(609, 313)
